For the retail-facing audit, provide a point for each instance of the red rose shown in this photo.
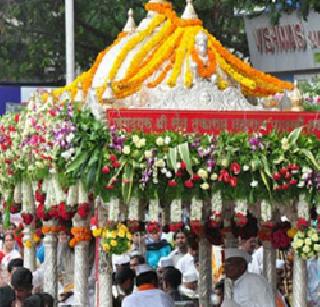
(287, 176)
(39, 197)
(188, 184)
(113, 158)
(172, 183)
(94, 221)
(235, 168)
(233, 181)
(116, 164)
(27, 218)
(105, 169)
(285, 186)
(276, 176)
(53, 212)
(178, 173)
(293, 182)
(183, 165)
(83, 210)
(109, 187)
(40, 211)
(283, 170)
(196, 178)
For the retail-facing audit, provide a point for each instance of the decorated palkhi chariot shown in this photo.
(153, 149)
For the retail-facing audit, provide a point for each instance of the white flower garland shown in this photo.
(83, 194)
(133, 209)
(266, 211)
(153, 210)
(303, 207)
(73, 195)
(175, 211)
(196, 209)
(114, 209)
(18, 193)
(27, 197)
(241, 207)
(216, 205)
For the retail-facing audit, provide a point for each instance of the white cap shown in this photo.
(143, 268)
(237, 253)
(190, 276)
(280, 264)
(121, 259)
(165, 262)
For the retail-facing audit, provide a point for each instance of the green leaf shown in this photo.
(127, 183)
(265, 180)
(308, 154)
(77, 162)
(185, 156)
(265, 165)
(172, 158)
(294, 135)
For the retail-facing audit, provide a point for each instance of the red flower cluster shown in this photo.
(134, 226)
(196, 227)
(302, 223)
(280, 239)
(27, 218)
(285, 177)
(153, 227)
(227, 176)
(83, 210)
(241, 219)
(215, 219)
(175, 226)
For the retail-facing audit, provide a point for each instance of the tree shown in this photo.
(32, 35)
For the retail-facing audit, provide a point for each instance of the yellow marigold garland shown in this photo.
(132, 42)
(188, 76)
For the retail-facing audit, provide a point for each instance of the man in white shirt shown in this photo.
(250, 289)
(190, 260)
(9, 250)
(180, 250)
(147, 293)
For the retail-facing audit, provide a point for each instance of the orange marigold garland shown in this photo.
(205, 71)
(79, 233)
(53, 229)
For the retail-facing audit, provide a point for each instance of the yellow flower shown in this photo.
(36, 238)
(27, 244)
(122, 234)
(105, 247)
(113, 234)
(96, 232)
(113, 243)
(307, 241)
(129, 236)
(123, 228)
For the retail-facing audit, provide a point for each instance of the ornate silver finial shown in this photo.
(201, 44)
(107, 96)
(130, 25)
(189, 12)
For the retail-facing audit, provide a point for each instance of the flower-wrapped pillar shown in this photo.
(269, 265)
(27, 215)
(81, 269)
(50, 284)
(299, 298)
(205, 276)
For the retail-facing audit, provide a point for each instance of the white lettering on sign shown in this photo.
(285, 38)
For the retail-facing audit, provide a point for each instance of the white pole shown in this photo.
(69, 20)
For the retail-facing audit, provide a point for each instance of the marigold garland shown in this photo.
(79, 233)
(161, 76)
(188, 76)
(205, 71)
(52, 229)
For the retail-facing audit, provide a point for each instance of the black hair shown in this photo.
(14, 263)
(172, 276)
(141, 259)
(124, 274)
(39, 300)
(180, 231)
(246, 232)
(22, 279)
(6, 296)
(220, 285)
(147, 278)
(193, 242)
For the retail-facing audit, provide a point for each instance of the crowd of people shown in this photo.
(154, 271)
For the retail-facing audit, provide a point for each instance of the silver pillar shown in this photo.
(50, 284)
(205, 283)
(299, 298)
(104, 280)
(69, 25)
(29, 260)
(269, 265)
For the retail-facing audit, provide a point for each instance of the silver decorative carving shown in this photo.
(269, 265)
(50, 263)
(299, 282)
(29, 260)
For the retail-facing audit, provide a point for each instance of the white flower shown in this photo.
(315, 237)
(135, 138)
(159, 141)
(167, 140)
(246, 168)
(299, 243)
(202, 173)
(39, 164)
(285, 144)
(142, 142)
(307, 241)
(254, 183)
(178, 164)
(214, 176)
(160, 163)
(163, 170)
(204, 186)
(70, 137)
(148, 154)
(168, 174)
(126, 149)
(306, 249)
(316, 247)
(301, 184)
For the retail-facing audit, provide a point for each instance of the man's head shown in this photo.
(145, 275)
(13, 265)
(249, 245)
(9, 242)
(236, 262)
(180, 239)
(125, 279)
(190, 280)
(6, 296)
(171, 279)
(193, 249)
(21, 281)
(135, 260)
(39, 299)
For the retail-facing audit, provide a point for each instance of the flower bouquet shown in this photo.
(306, 243)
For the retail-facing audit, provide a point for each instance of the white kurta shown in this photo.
(256, 265)
(150, 298)
(185, 264)
(176, 255)
(253, 290)
(12, 255)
